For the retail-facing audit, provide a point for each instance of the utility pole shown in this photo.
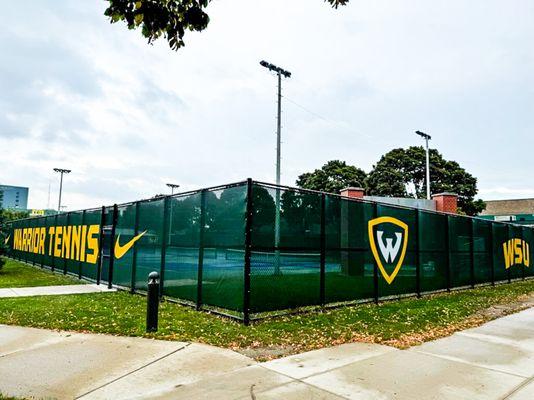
(427, 138)
(279, 72)
(48, 203)
(61, 171)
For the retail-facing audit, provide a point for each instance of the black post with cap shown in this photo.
(152, 304)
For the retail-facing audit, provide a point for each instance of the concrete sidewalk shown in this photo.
(53, 290)
(494, 361)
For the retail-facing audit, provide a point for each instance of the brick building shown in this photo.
(519, 211)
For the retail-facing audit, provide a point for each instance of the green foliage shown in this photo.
(332, 177)
(5, 216)
(402, 173)
(167, 18)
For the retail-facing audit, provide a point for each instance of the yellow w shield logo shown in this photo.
(120, 251)
(388, 238)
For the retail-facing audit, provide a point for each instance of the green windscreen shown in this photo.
(528, 236)
(183, 247)
(482, 256)
(285, 256)
(305, 248)
(224, 247)
(404, 281)
(433, 251)
(124, 233)
(148, 247)
(349, 262)
(501, 235)
(517, 269)
(460, 250)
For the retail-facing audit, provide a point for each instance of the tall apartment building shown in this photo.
(13, 197)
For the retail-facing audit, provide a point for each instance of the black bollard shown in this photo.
(152, 302)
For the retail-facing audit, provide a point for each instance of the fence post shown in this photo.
(510, 268)
(492, 255)
(54, 246)
(522, 265)
(34, 243)
(112, 246)
(100, 245)
(134, 256)
(164, 241)
(248, 249)
(80, 256)
(375, 266)
(200, 270)
(448, 252)
(472, 252)
(323, 252)
(417, 256)
(27, 250)
(65, 258)
(44, 252)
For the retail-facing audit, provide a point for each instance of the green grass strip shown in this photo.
(400, 323)
(16, 274)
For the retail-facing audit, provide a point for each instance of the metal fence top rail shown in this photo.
(296, 189)
(273, 186)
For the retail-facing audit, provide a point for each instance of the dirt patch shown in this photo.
(267, 353)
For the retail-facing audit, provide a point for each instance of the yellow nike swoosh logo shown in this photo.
(120, 251)
(7, 239)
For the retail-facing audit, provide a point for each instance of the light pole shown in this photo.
(61, 171)
(279, 72)
(172, 186)
(427, 138)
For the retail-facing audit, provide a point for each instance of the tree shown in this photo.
(402, 173)
(334, 176)
(167, 18)
(6, 216)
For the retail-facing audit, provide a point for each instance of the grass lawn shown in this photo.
(399, 323)
(16, 274)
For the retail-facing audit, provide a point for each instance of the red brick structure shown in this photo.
(446, 202)
(441, 202)
(353, 192)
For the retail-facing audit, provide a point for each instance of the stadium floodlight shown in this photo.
(173, 186)
(427, 138)
(61, 171)
(279, 72)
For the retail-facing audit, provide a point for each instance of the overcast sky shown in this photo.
(127, 117)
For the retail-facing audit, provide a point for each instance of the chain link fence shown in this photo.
(248, 249)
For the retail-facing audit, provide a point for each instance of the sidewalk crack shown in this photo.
(132, 372)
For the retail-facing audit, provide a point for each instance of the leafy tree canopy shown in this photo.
(402, 173)
(167, 18)
(6, 216)
(332, 177)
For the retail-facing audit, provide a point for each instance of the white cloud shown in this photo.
(126, 117)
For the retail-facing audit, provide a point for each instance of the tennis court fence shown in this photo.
(248, 249)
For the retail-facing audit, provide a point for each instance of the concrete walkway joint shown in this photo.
(492, 362)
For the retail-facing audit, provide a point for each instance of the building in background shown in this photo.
(14, 197)
(441, 202)
(518, 211)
